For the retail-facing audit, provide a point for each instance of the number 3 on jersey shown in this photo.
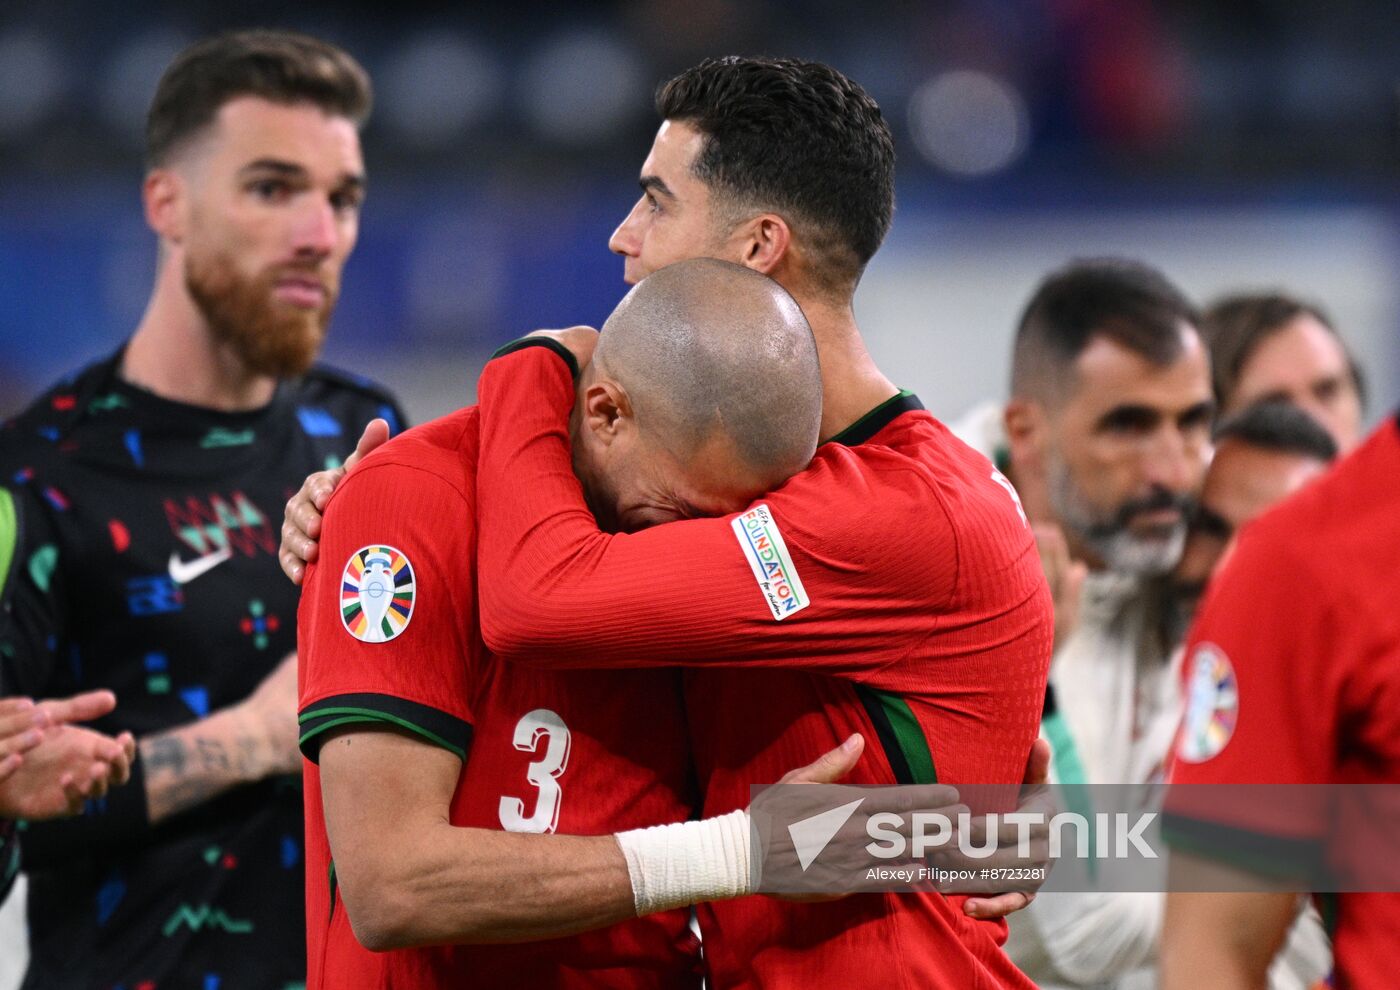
(1005, 482)
(544, 733)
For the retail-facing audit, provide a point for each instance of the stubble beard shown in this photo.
(1110, 536)
(269, 337)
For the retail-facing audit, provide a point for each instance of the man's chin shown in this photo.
(289, 355)
(1160, 535)
(1130, 552)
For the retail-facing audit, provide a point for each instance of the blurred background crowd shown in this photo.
(1247, 145)
(1240, 148)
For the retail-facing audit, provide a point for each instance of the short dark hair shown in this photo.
(798, 138)
(1128, 302)
(280, 66)
(1236, 325)
(1280, 426)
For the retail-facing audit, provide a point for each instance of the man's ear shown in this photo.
(764, 242)
(607, 410)
(1027, 434)
(163, 195)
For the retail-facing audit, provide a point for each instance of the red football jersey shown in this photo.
(1293, 677)
(892, 588)
(584, 752)
(387, 633)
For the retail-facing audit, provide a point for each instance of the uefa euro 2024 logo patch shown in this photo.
(376, 594)
(1212, 705)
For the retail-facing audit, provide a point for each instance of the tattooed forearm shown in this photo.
(163, 753)
(211, 753)
(187, 766)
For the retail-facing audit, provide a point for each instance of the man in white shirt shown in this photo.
(1106, 438)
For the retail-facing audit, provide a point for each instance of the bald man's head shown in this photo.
(705, 347)
(704, 392)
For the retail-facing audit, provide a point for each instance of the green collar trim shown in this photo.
(877, 419)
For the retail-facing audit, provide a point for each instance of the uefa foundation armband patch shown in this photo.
(376, 594)
(768, 556)
(1212, 705)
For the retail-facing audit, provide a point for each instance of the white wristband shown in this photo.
(678, 865)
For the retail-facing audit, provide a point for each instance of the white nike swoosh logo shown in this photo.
(185, 571)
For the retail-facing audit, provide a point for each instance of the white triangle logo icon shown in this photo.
(811, 835)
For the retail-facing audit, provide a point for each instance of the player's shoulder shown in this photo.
(899, 476)
(436, 454)
(898, 454)
(1339, 524)
(1319, 560)
(326, 386)
(902, 435)
(53, 415)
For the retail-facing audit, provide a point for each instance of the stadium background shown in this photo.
(1249, 144)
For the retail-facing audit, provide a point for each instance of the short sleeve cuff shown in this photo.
(1256, 852)
(384, 711)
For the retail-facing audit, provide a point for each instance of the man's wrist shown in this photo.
(685, 863)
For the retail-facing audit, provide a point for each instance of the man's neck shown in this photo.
(851, 383)
(174, 355)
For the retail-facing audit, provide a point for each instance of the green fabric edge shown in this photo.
(9, 536)
(355, 715)
(855, 427)
(912, 741)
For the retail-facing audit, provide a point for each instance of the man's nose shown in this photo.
(1173, 461)
(317, 231)
(624, 239)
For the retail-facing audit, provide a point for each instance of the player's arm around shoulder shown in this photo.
(830, 571)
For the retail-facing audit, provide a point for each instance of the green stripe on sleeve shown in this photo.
(382, 711)
(320, 722)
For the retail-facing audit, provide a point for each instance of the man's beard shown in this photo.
(1110, 535)
(269, 338)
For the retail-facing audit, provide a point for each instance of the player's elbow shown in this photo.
(388, 919)
(380, 906)
(397, 904)
(378, 931)
(377, 916)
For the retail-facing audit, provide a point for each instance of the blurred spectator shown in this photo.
(1262, 454)
(1273, 346)
(1106, 438)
